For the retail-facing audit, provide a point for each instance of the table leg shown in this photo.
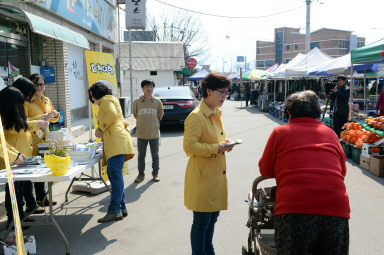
(53, 219)
(69, 187)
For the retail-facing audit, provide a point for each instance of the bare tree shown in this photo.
(183, 27)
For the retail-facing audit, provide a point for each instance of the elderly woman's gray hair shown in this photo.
(303, 104)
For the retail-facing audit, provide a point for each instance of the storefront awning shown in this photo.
(48, 28)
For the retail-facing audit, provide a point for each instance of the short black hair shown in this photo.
(303, 104)
(147, 82)
(26, 87)
(35, 77)
(98, 90)
(12, 109)
(342, 78)
(214, 81)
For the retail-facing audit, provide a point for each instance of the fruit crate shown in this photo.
(355, 153)
(346, 148)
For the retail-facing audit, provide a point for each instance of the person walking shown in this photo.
(340, 105)
(247, 93)
(306, 159)
(148, 111)
(40, 108)
(117, 146)
(205, 188)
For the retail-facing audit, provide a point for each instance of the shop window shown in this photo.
(153, 73)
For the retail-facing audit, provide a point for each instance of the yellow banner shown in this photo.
(101, 68)
(15, 210)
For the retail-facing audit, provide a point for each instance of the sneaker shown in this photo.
(139, 178)
(156, 177)
(124, 212)
(34, 210)
(45, 203)
(110, 217)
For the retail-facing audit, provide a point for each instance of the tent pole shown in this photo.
(274, 91)
(365, 95)
(351, 94)
(285, 90)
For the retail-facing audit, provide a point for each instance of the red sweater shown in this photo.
(308, 163)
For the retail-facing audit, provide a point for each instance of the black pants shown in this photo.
(19, 191)
(309, 234)
(339, 120)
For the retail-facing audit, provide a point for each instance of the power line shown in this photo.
(228, 17)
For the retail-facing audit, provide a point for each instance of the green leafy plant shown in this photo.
(59, 148)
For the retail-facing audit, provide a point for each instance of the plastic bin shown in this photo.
(346, 148)
(355, 154)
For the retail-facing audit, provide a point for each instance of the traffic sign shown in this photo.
(191, 63)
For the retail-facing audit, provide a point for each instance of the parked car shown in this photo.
(178, 102)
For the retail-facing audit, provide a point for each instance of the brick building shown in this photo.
(55, 34)
(289, 42)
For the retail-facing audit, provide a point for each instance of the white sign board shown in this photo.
(135, 14)
(77, 88)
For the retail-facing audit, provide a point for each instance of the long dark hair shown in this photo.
(12, 109)
(26, 87)
(35, 77)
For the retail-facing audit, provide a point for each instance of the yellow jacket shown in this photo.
(116, 137)
(19, 141)
(206, 187)
(35, 111)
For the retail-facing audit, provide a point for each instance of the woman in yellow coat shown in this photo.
(40, 108)
(117, 146)
(205, 189)
(18, 134)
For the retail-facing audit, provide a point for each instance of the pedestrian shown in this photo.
(307, 161)
(380, 104)
(18, 135)
(40, 107)
(117, 146)
(247, 93)
(148, 111)
(340, 99)
(205, 189)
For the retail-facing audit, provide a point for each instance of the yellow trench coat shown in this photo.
(19, 142)
(35, 111)
(116, 137)
(206, 187)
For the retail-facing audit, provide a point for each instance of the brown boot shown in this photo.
(139, 178)
(110, 217)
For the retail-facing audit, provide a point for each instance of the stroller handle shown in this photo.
(254, 186)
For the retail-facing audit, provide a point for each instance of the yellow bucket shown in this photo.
(58, 165)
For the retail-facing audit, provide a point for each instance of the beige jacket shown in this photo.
(148, 115)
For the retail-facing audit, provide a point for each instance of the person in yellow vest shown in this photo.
(18, 134)
(40, 108)
(205, 188)
(117, 146)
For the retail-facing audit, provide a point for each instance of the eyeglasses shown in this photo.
(222, 92)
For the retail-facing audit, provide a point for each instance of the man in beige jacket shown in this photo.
(148, 111)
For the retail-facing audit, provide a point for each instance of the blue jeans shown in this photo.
(142, 148)
(202, 230)
(115, 175)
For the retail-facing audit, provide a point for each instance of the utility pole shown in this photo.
(308, 27)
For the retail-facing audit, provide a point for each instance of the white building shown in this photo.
(157, 61)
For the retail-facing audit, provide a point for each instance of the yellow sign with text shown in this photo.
(101, 68)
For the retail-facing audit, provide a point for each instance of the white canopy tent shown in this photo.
(280, 72)
(314, 58)
(338, 65)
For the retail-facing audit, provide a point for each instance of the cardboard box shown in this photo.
(364, 162)
(376, 165)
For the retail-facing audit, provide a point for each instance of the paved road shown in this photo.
(158, 222)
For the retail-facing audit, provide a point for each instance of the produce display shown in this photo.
(374, 125)
(354, 134)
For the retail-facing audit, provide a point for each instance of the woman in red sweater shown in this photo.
(308, 163)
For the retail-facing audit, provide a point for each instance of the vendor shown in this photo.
(40, 108)
(18, 134)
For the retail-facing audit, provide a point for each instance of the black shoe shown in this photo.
(124, 212)
(110, 217)
(34, 210)
(139, 178)
(45, 203)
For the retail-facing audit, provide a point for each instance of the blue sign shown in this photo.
(97, 16)
(240, 58)
(49, 74)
